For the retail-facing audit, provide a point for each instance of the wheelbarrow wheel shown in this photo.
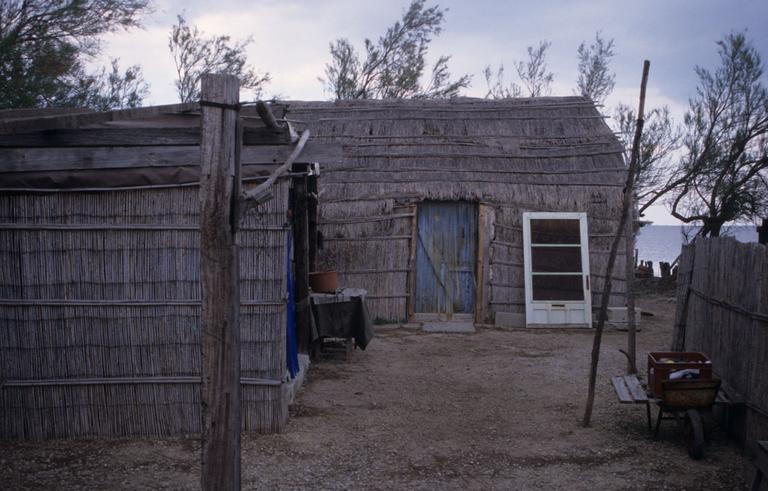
(694, 434)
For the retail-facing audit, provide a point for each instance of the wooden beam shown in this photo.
(39, 112)
(265, 113)
(219, 277)
(14, 125)
(301, 259)
(134, 137)
(263, 191)
(411, 278)
(75, 158)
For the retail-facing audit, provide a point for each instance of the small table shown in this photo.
(342, 315)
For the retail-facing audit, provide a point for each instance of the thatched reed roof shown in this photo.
(552, 140)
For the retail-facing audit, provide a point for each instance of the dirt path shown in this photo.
(490, 410)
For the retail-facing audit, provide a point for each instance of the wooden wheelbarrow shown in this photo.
(684, 400)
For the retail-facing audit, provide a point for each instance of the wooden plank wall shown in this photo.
(727, 319)
(104, 285)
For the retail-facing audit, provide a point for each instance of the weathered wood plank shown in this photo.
(411, 277)
(637, 391)
(133, 137)
(219, 276)
(621, 390)
(75, 158)
(76, 120)
(265, 113)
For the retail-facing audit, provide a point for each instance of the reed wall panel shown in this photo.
(387, 310)
(105, 285)
(343, 209)
(727, 319)
(377, 226)
(147, 410)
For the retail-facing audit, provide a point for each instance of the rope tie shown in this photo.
(220, 105)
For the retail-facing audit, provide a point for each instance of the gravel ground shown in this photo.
(497, 409)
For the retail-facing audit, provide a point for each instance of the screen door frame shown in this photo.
(570, 313)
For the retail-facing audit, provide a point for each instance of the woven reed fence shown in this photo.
(723, 312)
(100, 313)
(513, 156)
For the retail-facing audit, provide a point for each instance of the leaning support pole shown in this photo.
(628, 190)
(219, 275)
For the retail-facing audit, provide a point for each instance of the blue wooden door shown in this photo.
(446, 253)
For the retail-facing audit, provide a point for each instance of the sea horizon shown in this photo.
(662, 243)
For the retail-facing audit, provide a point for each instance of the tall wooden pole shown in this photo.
(219, 276)
(626, 203)
(630, 287)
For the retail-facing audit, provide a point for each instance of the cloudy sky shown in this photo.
(290, 40)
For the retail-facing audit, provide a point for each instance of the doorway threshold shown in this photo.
(453, 326)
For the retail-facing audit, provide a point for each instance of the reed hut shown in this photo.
(495, 211)
(100, 278)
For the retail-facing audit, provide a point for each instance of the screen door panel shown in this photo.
(556, 269)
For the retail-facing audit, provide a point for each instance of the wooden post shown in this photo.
(312, 224)
(301, 260)
(684, 279)
(762, 232)
(219, 276)
(626, 202)
(411, 278)
(480, 264)
(630, 287)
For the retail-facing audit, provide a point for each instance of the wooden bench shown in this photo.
(630, 391)
(761, 463)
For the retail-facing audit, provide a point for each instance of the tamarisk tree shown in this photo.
(45, 44)
(535, 78)
(723, 175)
(394, 66)
(195, 54)
(595, 79)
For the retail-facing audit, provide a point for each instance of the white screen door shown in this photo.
(556, 254)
